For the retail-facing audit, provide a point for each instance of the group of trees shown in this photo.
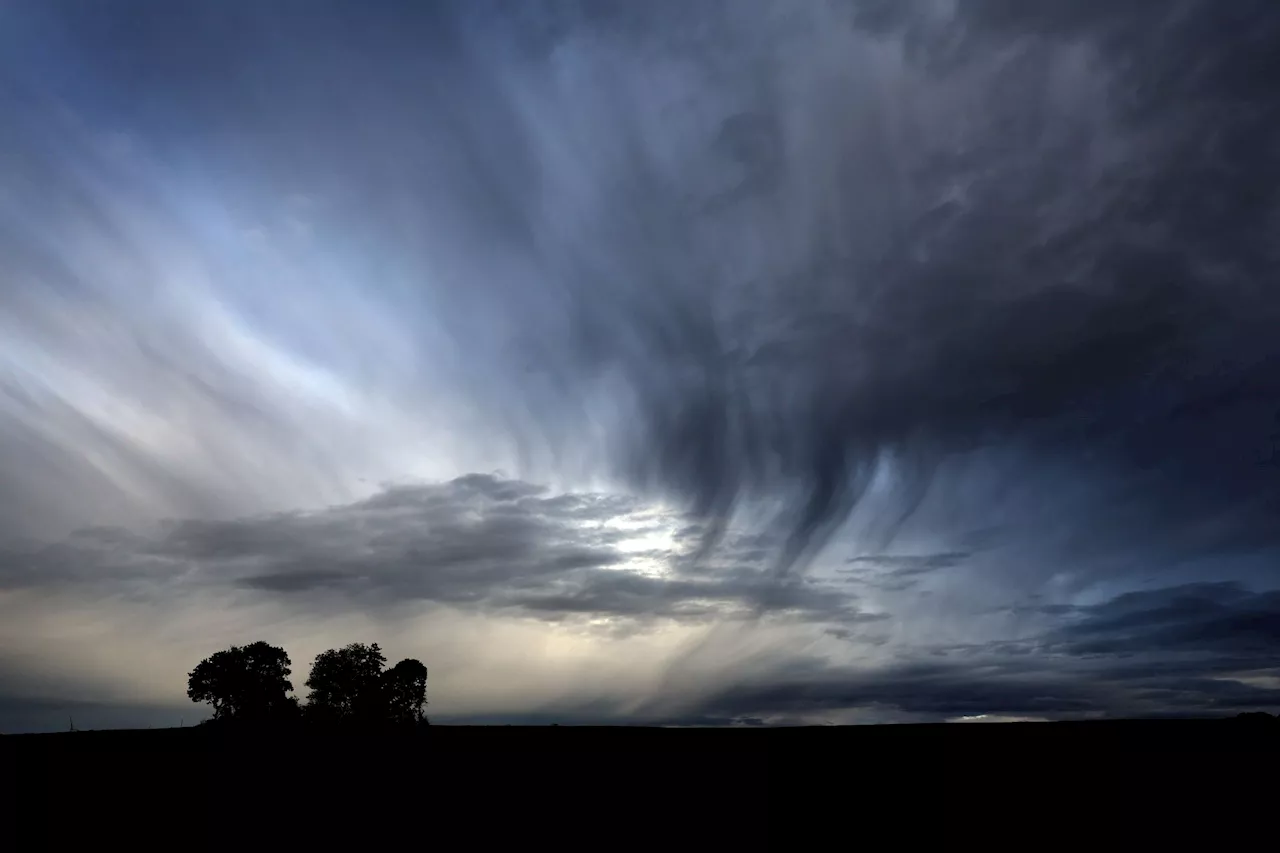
(347, 686)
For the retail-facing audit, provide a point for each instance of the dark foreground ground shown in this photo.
(488, 788)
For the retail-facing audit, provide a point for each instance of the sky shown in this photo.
(727, 362)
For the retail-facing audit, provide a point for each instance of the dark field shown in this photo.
(1197, 734)
(617, 787)
(1223, 738)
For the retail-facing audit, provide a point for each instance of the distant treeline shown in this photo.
(349, 686)
(1257, 717)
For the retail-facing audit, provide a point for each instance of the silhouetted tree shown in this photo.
(244, 682)
(405, 691)
(346, 685)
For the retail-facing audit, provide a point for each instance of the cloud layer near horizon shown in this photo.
(913, 360)
(580, 607)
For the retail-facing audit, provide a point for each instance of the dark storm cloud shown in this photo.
(1212, 618)
(1190, 679)
(937, 693)
(480, 541)
(1056, 277)
(1084, 273)
(918, 690)
(1191, 650)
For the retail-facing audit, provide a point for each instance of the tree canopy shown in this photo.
(348, 685)
(405, 689)
(243, 682)
(345, 683)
